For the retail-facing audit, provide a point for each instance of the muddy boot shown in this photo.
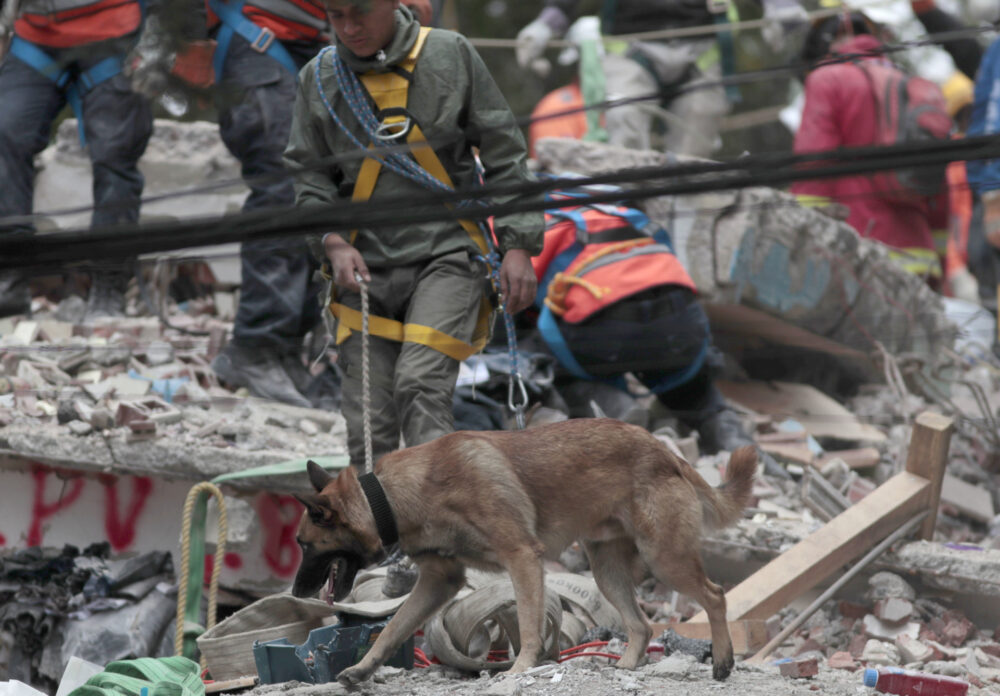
(15, 297)
(107, 295)
(260, 370)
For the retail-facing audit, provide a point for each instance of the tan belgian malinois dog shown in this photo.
(504, 501)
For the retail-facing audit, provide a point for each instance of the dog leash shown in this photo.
(366, 391)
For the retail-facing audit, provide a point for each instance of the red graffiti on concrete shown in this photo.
(121, 531)
(40, 510)
(230, 560)
(279, 518)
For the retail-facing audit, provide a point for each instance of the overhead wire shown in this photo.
(770, 169)
(663, 95)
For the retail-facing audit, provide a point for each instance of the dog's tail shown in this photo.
(723, 505)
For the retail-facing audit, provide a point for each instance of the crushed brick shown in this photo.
(842, 660)
(853, 610)
(799, 669)
(856, 646)
(956, 632)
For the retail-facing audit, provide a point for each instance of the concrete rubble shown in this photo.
(133, 397)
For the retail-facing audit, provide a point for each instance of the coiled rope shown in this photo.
(356, 97)
(220, 549)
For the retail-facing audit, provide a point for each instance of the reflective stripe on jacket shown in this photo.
(290, 20)
(68, 23)
(591, 276)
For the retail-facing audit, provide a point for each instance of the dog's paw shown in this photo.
(352, 676)
(721, 669)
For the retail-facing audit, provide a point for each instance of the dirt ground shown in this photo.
(583, 677)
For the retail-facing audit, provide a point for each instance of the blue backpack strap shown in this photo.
(557, 344)
(91, 77)
(34, 57)
(42, 62)
(261, 39)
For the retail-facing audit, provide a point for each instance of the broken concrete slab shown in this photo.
(877, 652)
(882, 630)
(885, 585)
(912, 650)
(969, 500)
(893, 610)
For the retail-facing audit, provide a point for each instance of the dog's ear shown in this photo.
(318, 476)
(318, 509)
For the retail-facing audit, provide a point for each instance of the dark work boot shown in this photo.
(107, 295)
(722, 430)
(296, 370)
(15, 297)
(260, 370)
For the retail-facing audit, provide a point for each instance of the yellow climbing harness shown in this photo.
(390, 90)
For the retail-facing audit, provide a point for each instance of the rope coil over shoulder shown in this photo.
(390, 90)
(390, 124)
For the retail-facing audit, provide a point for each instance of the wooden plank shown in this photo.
(759, 327)
(748, 636)
(927, 456)
(861, 458)
(230, 684)
(818, 413)
(826, 550)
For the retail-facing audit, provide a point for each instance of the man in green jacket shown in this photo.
(423, 276)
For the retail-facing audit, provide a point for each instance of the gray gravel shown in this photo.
(582, 677)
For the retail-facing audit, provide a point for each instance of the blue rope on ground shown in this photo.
(356, 98)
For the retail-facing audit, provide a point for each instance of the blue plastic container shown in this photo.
(327, 651)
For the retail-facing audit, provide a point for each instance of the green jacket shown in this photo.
(454, 99)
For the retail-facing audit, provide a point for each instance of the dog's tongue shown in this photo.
(341, 580)
(331, 583)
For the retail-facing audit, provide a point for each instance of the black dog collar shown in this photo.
(385, 521)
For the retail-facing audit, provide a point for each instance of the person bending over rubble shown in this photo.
(72, 51)
(851, 100)
(423, 280)
(614, 299)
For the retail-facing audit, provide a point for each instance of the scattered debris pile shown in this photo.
(129, 394)
(55, 604)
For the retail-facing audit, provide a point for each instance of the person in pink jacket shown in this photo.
(841, 111)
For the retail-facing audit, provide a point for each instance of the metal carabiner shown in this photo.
(517, 409)
(390, 132)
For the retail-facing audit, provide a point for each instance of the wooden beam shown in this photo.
(851, 533)
(756, 325)
(822, 553)
(237, 684)
(748, 636)
(927, 457)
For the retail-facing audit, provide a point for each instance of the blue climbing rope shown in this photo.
(356, 97)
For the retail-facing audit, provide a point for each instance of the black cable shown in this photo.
(126, 240)
(663, 95)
